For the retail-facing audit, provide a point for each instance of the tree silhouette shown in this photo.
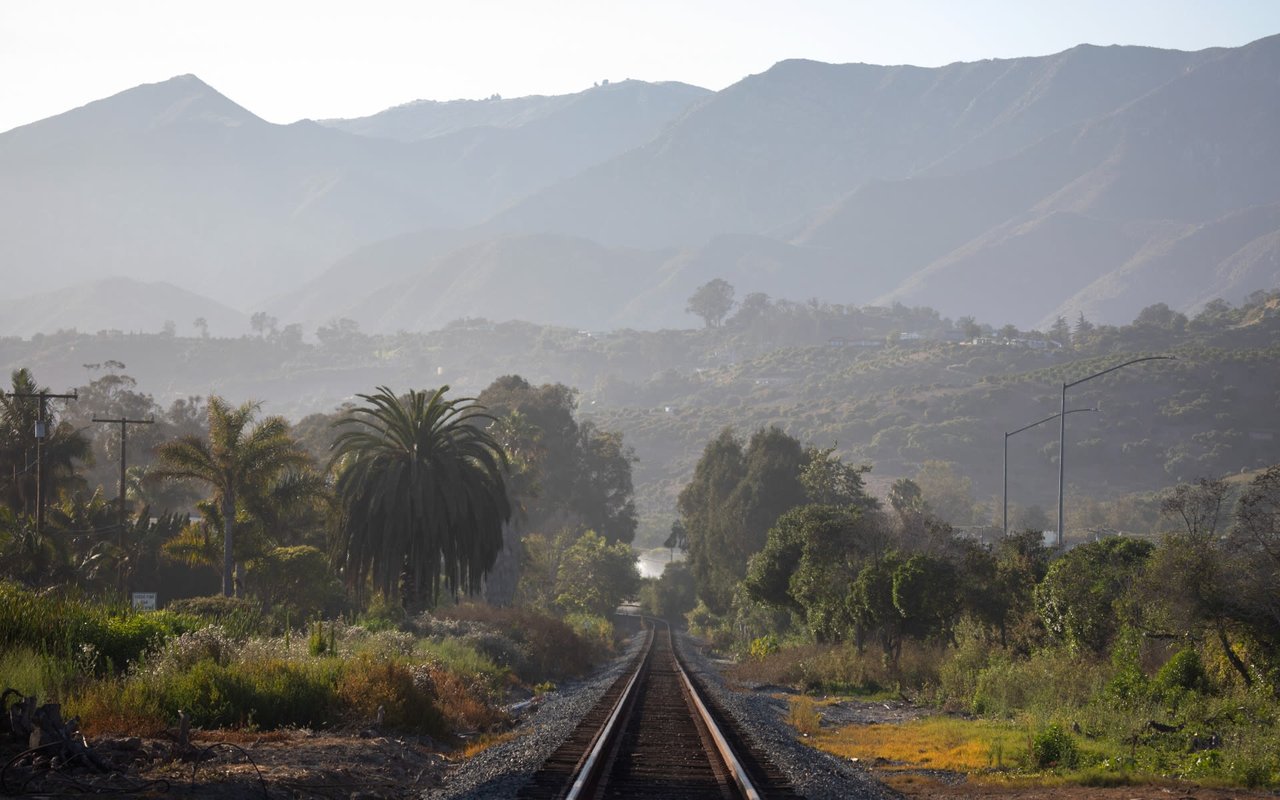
(712, 302)
(421, 484)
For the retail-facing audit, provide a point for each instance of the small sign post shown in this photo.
(144, 601)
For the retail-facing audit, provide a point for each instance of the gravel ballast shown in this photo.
(813, 774)
(501, 771)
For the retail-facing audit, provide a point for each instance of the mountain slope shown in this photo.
(118, 304)
(173, 181)
(777, 147)
(633, 109)
(1191, 151)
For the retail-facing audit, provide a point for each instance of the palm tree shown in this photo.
(239, 461)
(421, 483)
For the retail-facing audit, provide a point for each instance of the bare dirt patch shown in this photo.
(225, 765)
(958, 787)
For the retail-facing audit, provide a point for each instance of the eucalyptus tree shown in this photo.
(239, 460)
(421, 484)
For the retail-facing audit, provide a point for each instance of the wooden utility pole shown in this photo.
(41, 432)
(124, 508)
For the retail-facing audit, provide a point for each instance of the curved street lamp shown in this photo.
(1006, 456)
(1062, 426)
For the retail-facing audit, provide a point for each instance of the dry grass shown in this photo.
(936, 743)
(485, 741)
(804, 716)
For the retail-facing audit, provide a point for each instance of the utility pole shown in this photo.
(1062, 430)
(41, 432)
(124, 509)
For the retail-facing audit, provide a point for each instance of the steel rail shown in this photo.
(727, 755)
(587, 774)
(587, 779)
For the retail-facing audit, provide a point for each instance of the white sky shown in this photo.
(289, 59)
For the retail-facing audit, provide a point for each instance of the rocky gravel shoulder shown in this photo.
(499, 772)
(813, 774)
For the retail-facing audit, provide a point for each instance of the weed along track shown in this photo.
(654, 735)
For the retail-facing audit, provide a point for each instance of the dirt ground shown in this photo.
(956, 787)
(280, 764)
(362, 766)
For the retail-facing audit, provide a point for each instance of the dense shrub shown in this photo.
(114, 637)
(763, 646)
(1184, 672)
(405, 693)
(1054, 747)
(238, 617)
(268, 694)
(553, 650)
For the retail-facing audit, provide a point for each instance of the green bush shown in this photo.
(268, 694)
(36, 674)
(763, 646)
(593, 628)
(240, 618)
(115, 637)
(461, 657)
(1044, 683)
(1054, 747)
(1184, 672)
(553, 649)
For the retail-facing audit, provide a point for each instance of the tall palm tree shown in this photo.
(421, 484)
(238, 461)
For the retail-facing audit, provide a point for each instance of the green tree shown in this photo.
(1079, 596)
(1190, 586)
(1060, 332)
(906, 499)
(812, 556)
(672, 594)
(596, 576)
(421, 485)
(238, 461)
(567, 473)
(710, 521)
(712, 301)
(827, 480)
(733, 499)
(677, 539)
(1254, 541)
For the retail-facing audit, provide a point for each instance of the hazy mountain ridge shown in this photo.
(1014, 189)
(652, 104)
(120, 304)
(174, 181)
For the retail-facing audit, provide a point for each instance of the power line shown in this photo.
(124, 424)
(40, 432)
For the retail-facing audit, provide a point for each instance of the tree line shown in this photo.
(783, 540)
(416, 497)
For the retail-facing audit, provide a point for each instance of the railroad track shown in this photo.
(655, 735)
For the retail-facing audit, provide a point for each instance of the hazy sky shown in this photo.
(289, 59)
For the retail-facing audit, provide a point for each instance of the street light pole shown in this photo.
(1062, 428)
(1006, 456)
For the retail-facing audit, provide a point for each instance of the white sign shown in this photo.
(144, 601)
